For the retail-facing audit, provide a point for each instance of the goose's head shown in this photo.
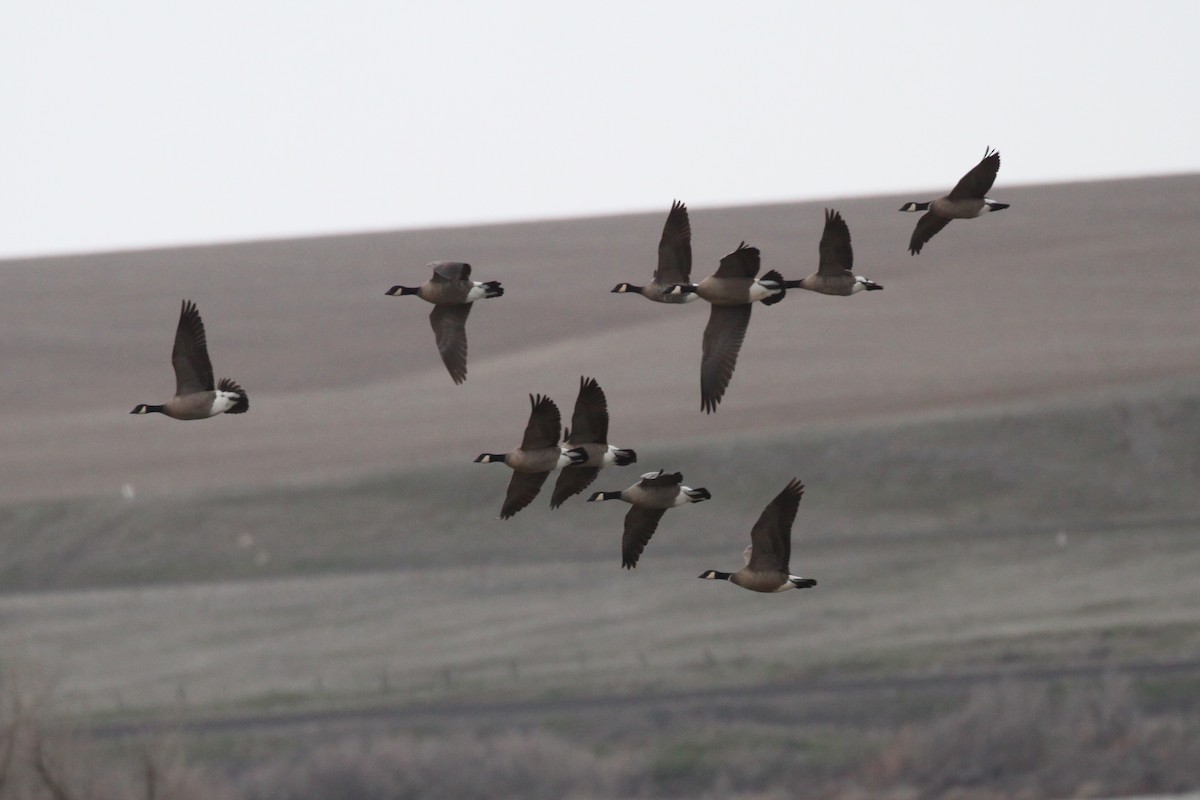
(913, 205)
(862, 284)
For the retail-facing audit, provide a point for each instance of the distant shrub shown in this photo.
(1008, 741)
(1016, 740)
(458, 767)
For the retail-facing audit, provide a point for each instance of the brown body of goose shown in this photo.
(650, 497)
(730, 292)
(967, 200)
(538, 455)
(674, 261)
(196, 396)
(770, 548)
(452, 293)
(588, 434)
(834, 273)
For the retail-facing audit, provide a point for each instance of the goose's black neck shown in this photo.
(714, 575)
(147, 409)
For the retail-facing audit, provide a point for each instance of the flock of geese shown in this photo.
(583, 449)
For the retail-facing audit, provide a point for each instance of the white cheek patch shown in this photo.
(478, 291)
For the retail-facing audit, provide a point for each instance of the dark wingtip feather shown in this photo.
(625, 457)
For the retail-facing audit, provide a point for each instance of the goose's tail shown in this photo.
(777, 279)
(241, 403)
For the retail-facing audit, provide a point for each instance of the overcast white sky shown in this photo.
(133, 123)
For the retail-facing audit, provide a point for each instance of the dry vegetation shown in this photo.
(1004, 740)
(1030, 741)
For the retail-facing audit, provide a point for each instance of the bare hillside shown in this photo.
(1075, 286)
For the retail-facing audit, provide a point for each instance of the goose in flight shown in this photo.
(834, 273)
(588, 433)
(650, 497)
(538, 455)
(452, 292)
(967, 200)
(674, 261)
(196, 396)
(730, 292)
(770, 548)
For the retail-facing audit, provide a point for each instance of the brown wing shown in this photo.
(927, 226)
(837, 257)
(660, 478)
(640, 524)
(977, 182)
(544, 424)
(449, 324)
(722, 342)
(193, 369)
(522, 488)
(571, 481)
(589, 421)
(741, 263)
(675, 248)
(450, 271)
(771, 538)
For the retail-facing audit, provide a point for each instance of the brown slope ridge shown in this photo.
(1075, 286)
